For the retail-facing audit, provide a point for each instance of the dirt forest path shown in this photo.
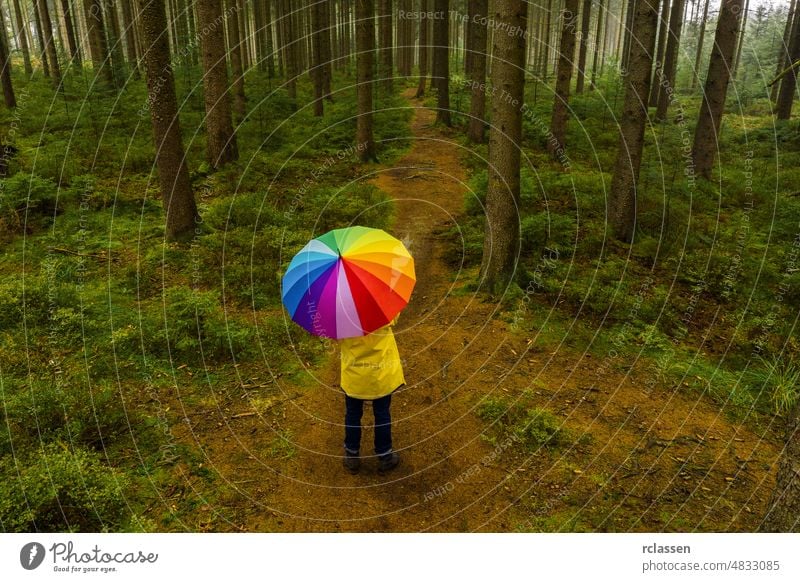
(669, 461)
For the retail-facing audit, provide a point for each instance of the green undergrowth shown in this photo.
(710, 280)
(107, 331)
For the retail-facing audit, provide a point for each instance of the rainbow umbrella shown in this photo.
(348, 282)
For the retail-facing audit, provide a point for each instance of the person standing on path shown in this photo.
(371, 370)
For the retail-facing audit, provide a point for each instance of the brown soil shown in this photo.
(665, 461)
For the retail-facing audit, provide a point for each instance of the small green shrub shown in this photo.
(59, 489)
(540, 428)
(530, 427)
(24, 196)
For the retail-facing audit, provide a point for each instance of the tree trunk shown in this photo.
(478, 11)
(546, 48)
(5, 68)
(74, 53)
(350, 33)
(586, 15)
(191, 24)
(628, 32)
(663, 26)
(258, 18)
(270, 39)
(501, 233)
(558, 124)
(789, 82)
(623, 11)
(385, 34)
(441, 60)
(365, 59)
(317, 64)
(290, 40)
(243, 33)
(424, 47)
(280, 36)
(237, 69)
(114, 42)
(22, 32)
(598, 35)
(666, 82)
(783, 514)
(37, 23)
(741, 39)
(333, 39)
(129, 33)
(783, 51)
(98, 48)
(706, 133)
(699, 55)
(49, 43)
(325, 49)
(220, 140)
(633, 120)
(173, 175)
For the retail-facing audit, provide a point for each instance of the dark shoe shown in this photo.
(388, 462)
(351, 462)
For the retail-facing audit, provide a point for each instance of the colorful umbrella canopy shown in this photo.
(348, 282)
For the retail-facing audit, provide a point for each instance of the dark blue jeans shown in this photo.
(354, 409)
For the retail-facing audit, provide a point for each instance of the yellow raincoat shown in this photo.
(371, 366)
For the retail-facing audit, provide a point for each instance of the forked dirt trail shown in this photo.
(669, 461)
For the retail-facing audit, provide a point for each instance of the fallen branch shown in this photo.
(785, 72)
(270, 407)
(76, 253)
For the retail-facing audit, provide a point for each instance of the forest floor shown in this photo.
(665, 461)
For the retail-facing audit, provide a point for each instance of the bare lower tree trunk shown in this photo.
(237, 70)
(325, 49)
(191, 18)
(290, 41)
(783, 514)
(386, 64)
(37, 23)
(365, 59)
(598, 35)
(258, 19)
(49, 43)
(441, 60)
(633, 120)
(241, 17)
(546, 49)
(699, 54)
(129, 34)
(789, 81)
(663, 26)
(501, 234)
(478, 10)
(74, 53)
(740, 44)
(627, 32)
(317, 63)
(98, 48)
(667, 78)
(558, 124)
(22, 32)
(173, 175)
(586, 14)
(114, 42)
(220, 139)
(706, 134)
(424, 47)
(5, 67)
(783, 51)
